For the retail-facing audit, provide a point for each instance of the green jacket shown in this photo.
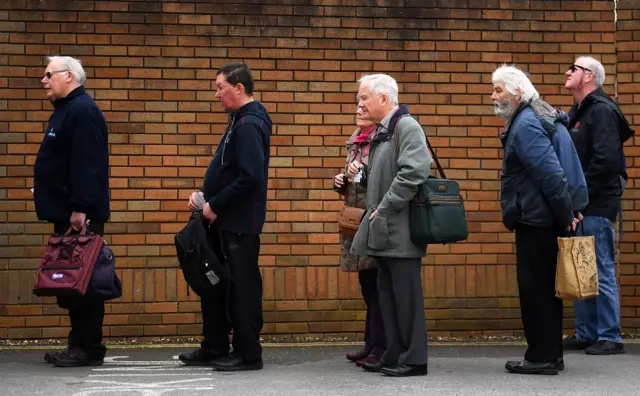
(397, 166)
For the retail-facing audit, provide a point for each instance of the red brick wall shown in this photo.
(151, 67)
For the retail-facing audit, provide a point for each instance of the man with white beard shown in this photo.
(536, 202)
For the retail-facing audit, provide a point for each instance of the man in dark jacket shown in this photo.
(71, 189)
(235, 191)
(598, 129)
(536, 203)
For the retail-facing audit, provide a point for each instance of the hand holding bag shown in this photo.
(577, 269)
(68, 263)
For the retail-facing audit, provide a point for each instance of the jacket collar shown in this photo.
(504, 135)
(73, 94)
(386, 131)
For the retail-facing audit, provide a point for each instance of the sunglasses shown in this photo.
(48, 75)
(573, 68)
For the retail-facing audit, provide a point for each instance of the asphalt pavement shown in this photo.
(454, 369)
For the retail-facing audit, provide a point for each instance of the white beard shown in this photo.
(504, 109)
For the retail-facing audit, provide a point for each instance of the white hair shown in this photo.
(516, 82)
(73, 65)
(596, 67)
(382, 84)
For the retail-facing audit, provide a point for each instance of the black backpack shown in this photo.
(199, 250)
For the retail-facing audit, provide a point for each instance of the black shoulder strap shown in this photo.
(396, 136)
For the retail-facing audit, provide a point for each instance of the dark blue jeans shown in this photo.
(598, 318)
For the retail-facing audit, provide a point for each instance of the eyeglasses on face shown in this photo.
(574, 67)
(48, 75)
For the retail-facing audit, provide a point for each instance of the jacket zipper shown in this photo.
(226, 140)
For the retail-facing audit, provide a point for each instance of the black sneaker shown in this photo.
(604, 347)
(51, 356)
(200, 357)
(572, 343)
(235, 362)
(76, 357)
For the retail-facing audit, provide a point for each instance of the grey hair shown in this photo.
(596, 67)
(73, 65)
(382, 84)
(516, 82)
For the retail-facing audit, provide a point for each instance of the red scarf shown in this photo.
(362, 139)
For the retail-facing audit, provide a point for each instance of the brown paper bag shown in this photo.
(577, 270)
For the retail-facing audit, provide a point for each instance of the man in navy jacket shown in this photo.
(536, 200)
(71, 189)
(235, 195)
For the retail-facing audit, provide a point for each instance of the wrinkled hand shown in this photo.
(193, 199)
(354, 167)
(208, 213)
(574, 223)
(338, 180)
(77, 220)
(373, 214)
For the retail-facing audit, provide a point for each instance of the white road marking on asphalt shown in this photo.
(146, 374)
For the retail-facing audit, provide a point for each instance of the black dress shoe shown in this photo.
(236, 363)
(560, 364)
(405, 370)
(75, 356)
(200, 357)
(527, 367)
(372, 367)
(51, 356)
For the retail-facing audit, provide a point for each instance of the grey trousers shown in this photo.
(402, 305)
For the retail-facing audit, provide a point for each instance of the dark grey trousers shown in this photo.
(402, 305)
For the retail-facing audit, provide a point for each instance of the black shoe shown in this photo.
(51, 356)
(604, 347)
(77, 357)
(572, 343)
(372, 367)
(560, 364)
(527, 367)
(405, 370)
(236, 363)
(200, 357)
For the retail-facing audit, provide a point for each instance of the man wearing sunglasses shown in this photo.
(71, 187)
(598, 129)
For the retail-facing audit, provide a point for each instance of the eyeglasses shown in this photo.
(48, 75)
(574, 67)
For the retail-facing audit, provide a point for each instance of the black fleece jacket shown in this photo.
(598, 130)
(71, 172)
(235, 184)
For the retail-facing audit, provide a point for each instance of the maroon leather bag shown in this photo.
(67, 264)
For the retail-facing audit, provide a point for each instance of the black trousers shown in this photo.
(536, 256)
(243, 297)
(402, 304)
(86, 314)
(375, 342)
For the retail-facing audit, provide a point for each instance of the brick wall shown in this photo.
(151, 67)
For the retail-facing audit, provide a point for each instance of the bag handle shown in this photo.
(396, 138)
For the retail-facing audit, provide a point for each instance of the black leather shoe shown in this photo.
(200, 357)
(77, 357)
(236, 363)
(560, 364)
(572, 343)
(372, 367)
(51, 356)
(405, 370)
(527, 367)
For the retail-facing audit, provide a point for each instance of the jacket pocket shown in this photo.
(379, 238)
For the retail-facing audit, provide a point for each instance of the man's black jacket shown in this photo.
(235, 184)
(599, 129)
(71, 172)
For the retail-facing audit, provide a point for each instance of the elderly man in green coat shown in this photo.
(399, 162)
